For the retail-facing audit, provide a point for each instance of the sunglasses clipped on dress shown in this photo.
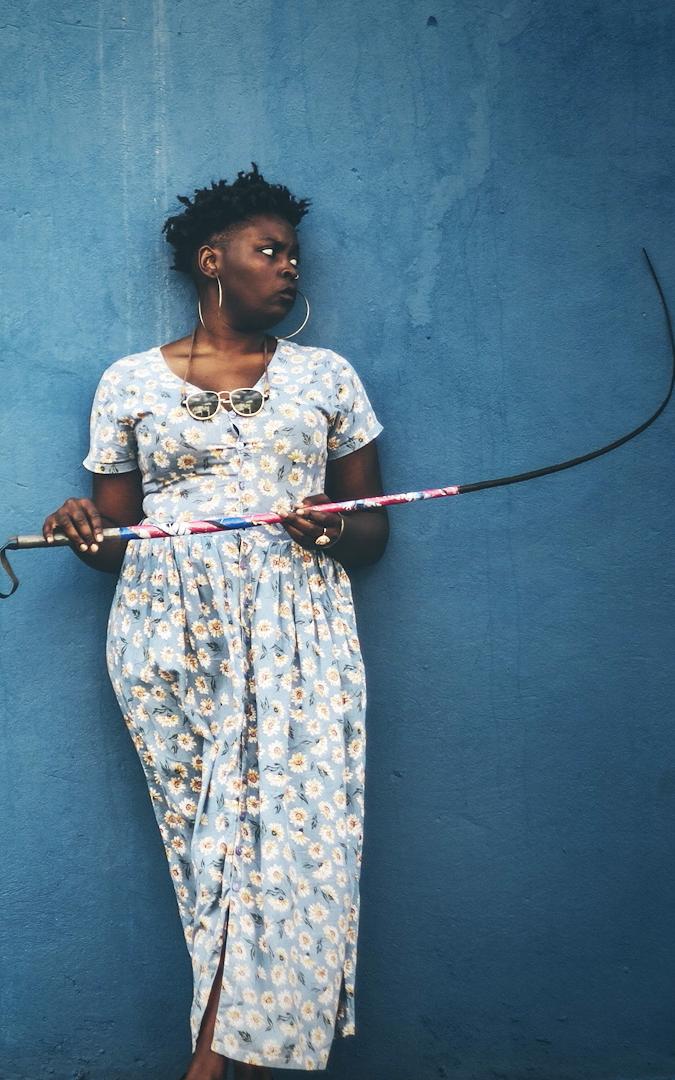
(204, 404)
(244, 401)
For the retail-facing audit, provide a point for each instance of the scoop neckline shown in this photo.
(158, 349)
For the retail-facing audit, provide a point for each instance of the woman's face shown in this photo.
(257, 265)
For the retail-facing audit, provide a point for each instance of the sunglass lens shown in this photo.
(246, 402)
(203, 406)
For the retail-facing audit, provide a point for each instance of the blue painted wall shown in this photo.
(483, 177)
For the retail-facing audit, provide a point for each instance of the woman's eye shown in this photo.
(293, 262)
(267, 251)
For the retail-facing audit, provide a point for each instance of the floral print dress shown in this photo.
(236, 663)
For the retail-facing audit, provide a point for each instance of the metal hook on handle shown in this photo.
(15, 543)
(30, 540)
(12, 546)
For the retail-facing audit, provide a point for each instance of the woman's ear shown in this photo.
(207, 261)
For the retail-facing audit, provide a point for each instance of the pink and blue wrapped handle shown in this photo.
(150, 530)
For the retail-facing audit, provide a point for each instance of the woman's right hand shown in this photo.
(79, 520)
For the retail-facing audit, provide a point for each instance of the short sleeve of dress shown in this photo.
(353, 423)
(112, 442)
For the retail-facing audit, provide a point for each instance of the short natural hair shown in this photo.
(217, 208)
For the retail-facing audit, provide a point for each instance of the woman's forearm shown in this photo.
(363, 540)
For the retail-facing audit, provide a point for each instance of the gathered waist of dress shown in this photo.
(179, 511)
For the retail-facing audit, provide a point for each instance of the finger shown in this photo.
(49, 528)
(89, 512)
(312, 500)
(69, 530)
(301, 524)
(78, 521)
(325, 521)
(94, 518)
(295, 534)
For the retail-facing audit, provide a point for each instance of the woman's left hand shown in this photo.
(304, 525)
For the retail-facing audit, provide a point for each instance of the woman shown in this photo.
(234, 656)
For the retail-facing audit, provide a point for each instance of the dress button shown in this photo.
(237, 851)
(242, 817)
(235, 886)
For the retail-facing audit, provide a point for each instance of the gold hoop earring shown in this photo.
(304, 322)
(220, 302)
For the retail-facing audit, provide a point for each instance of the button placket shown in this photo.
(235, 869)
(243, 563)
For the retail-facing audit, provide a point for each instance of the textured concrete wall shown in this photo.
(483, 176)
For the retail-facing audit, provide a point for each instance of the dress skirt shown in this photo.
(236, 663)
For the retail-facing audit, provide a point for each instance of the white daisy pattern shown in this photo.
(236, 663)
